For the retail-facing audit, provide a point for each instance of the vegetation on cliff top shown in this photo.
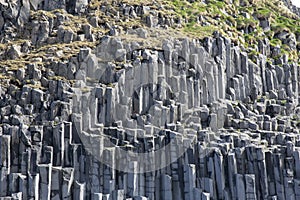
(245, 22)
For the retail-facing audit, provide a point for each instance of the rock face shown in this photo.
(186, 119)
(292, 7)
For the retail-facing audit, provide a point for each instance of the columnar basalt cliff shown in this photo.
(125, 100)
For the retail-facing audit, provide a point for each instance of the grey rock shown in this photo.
(237, 114)
(80, 6)
(121, 55)
(69, 36)
(34, 4)
(151, 21)
(14, 52)
(241, 191)
(52, 5)
(37, 97)
(265, 24)
(142, 33)
(24, 12)
(45, 181)
(166, 187)
(40, 32)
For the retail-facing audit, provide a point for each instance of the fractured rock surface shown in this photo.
(238, 148)
(188, 119)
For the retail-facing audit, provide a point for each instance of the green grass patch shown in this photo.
(263, 12)
(199, 31)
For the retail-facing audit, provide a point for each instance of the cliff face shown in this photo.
(126, 100)
(293, 8)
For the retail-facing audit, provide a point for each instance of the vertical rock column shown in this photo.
(250, 186)
(189, 181)
(277, 163)
(132, 181)
(45, 181)
(219, 172)
(232, 171)
(166, 187)
(58, 144)
(262, 173)
(5, 147)
(56, 183)
(241, 189)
